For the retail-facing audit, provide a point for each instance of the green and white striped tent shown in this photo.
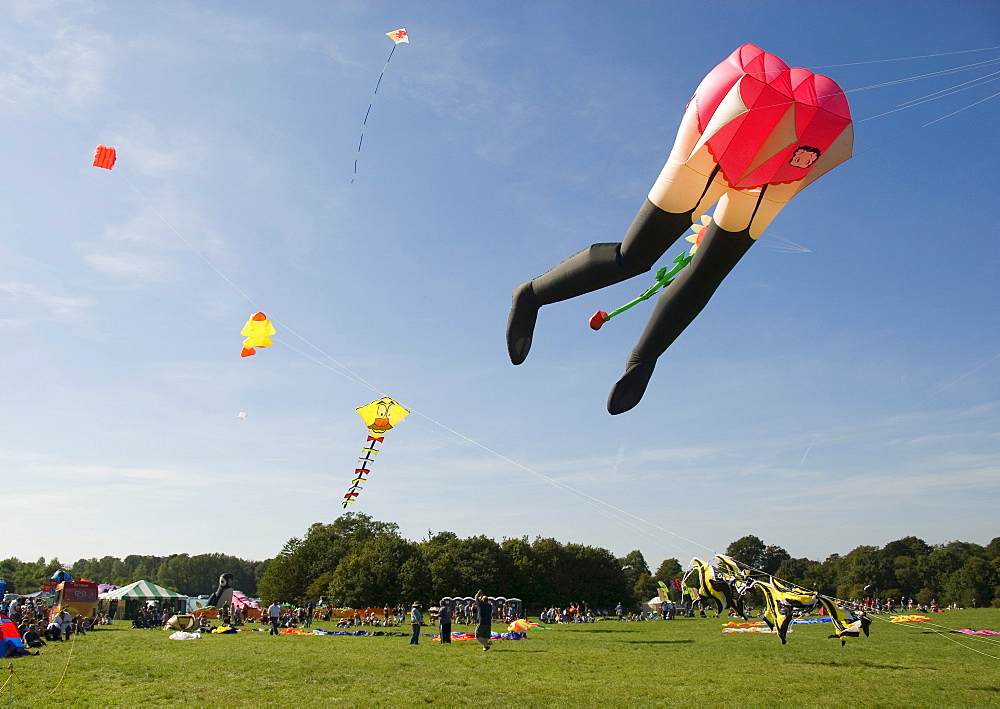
(146, 590)
(124, 603)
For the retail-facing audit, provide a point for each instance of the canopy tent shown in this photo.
(141, 589)
(125, 602)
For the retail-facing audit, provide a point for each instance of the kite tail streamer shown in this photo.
(365, 122)
(360, 472)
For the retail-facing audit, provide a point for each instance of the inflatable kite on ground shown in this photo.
(223, 595)
(105, 157)
(400, 36)
(846, 622)
(379, 416)
(258, 331)
(909, 619)
(184, 622)
(725, 582)
(723, 588)
(754, 134)
(783, 602)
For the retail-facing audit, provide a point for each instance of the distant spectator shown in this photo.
(64, 621)
(416, 620)
(484, 611)
(274, 613)
(444, 617)
(32, 638)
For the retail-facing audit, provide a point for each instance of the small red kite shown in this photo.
(105, 157)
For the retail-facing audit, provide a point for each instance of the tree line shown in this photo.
(190, 575)
(357, 561)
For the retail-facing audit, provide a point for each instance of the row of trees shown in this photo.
(190, 575)
(357, 561)
(360, 562)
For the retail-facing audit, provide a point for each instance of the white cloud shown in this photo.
(138, 267)
(65, 67)
(23, 303)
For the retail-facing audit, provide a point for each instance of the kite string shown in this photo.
(943, 93)
(365, 121)
(946, 634)
(551, 481)
(10, 676)
(901, 59)
(183, 239)
(68, 659)
(349, 374)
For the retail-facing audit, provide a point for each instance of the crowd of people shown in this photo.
(39, 624)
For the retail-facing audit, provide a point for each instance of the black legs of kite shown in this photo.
(652, 232)
(676, 307)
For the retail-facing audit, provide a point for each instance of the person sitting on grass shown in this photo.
(31, 636)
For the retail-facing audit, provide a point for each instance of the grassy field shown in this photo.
(606, 664)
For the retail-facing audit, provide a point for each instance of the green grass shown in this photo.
(604, 664)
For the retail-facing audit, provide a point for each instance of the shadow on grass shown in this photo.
(607, 630)
(658, 642)
(985, 689)
(863, 663)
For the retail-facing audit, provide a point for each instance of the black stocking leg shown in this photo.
(677, 306)
(652, 232)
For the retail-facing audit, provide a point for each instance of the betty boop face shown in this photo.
(804, 156)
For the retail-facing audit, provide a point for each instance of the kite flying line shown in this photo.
(399, 36)
(903, 59)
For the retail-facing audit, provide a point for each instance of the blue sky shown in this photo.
(838, 394)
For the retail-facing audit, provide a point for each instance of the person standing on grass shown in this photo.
(416, 620)
(444, 616)
(274, 613)
(484, 612)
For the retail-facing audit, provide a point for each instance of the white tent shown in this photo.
(652, 605)
(125, 602)
(141, 589)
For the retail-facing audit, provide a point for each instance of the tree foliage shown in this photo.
(360, 562)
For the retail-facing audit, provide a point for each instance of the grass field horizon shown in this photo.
(608, 663)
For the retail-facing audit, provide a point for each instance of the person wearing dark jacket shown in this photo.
(484, 613)
(444, 617)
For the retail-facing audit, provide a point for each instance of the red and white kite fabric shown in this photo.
(398, 36)
(105, 157)
(754, 135)
(758, 117)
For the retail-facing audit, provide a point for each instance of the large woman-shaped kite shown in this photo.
(754, 135)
